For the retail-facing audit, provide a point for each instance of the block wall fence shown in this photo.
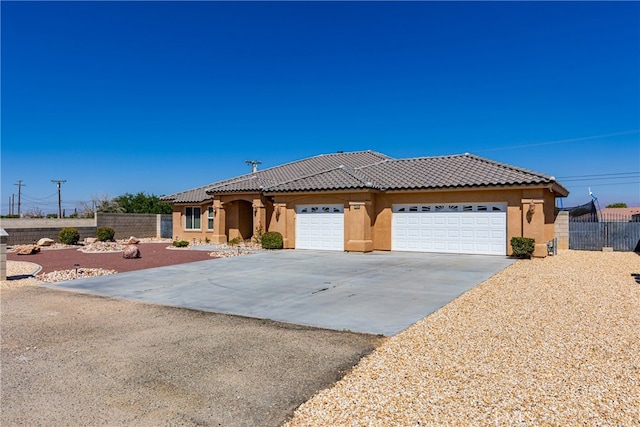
(561, 229)
(29, 230)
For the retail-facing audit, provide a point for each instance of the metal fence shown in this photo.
(620, 235)
(166, 226)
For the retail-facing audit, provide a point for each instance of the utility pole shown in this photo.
(58, 182)
(13, 203)
(20, 185)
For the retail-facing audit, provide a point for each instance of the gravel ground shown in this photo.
(72, 359)
(545, 342)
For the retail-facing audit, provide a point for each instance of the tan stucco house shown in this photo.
(363, 201)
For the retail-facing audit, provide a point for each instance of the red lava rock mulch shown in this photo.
(151, 255)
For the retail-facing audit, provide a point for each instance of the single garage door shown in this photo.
(320, 227)
(459, 228)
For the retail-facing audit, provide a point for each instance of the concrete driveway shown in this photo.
(378, 292)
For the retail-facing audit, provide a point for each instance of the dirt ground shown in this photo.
(75, 359)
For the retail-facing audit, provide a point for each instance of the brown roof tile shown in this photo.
(371, 170)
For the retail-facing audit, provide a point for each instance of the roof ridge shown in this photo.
(368, 182)
(324, 155)
(299, 178)
(480, 158)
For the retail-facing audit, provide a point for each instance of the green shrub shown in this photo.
(523, 247)
(180, 243)
(105, 234)
(69, 236)
(272, 240)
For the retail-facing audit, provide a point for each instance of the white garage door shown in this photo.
(320, 227)
(459, 228)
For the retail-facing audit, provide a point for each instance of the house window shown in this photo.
(210, 218)
(192, 218)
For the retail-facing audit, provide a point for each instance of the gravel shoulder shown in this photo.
(552, 341)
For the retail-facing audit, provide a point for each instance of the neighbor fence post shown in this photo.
(3, 254)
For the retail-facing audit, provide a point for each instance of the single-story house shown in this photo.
(364, 201)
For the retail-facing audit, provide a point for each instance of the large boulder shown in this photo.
(131, 252)
(45, 241)
(28, 250)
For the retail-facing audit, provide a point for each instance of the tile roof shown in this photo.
(371, 170)
(455, 171)
(266, 178)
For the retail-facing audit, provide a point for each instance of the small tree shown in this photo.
(617, 205)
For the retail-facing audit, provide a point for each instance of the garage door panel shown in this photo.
(467, 234)
(468, 228)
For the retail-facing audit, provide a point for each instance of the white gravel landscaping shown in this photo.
(545, 342)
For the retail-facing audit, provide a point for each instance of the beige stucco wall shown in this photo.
(235, 215)
(367, 214)
(358, 209)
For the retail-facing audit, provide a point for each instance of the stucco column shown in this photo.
(358, 226)
(279, 224)
(259, 215)
(219, 235)
(533, 224)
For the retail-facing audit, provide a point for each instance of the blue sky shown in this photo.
(160, 97)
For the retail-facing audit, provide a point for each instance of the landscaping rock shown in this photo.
(90, 240)
(133, 240)
(28, 250)
(45, 242)
(131, 252)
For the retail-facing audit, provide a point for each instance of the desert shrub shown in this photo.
(235, 241)
(272, 240)
(69, 236)
(523, 247)
(257, 236)
(180, 243)
(105, 234)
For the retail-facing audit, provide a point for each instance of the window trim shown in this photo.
(192, 217)
(210, 217)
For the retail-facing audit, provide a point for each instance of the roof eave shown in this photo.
(559, 189)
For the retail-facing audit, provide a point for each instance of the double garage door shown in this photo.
(459, 228)
(448, 228)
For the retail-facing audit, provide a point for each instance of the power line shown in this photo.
(610, 183)
(562, 141)
(597, 175)
(602, 178)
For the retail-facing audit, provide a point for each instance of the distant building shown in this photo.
(619, 214)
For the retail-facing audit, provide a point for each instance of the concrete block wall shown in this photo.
(22, 231)
(126, 225)
(561, 229)
(29, 230)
